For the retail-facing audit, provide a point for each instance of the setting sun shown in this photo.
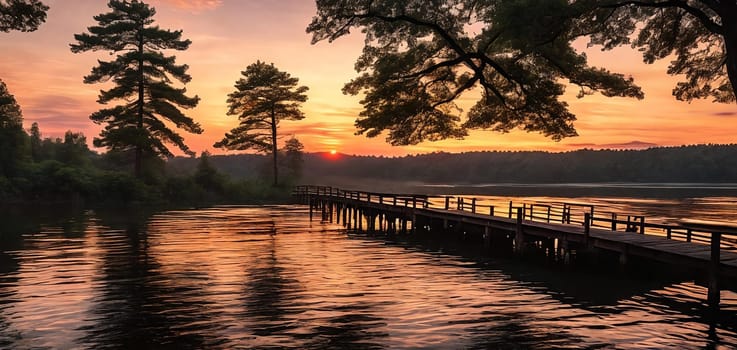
(333, 152)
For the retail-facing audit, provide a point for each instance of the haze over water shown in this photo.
(265, 277)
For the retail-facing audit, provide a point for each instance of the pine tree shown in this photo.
(142, 75)
(35, 134)
(293, 157)
(263, 97)
(22, 15)
(12, 136)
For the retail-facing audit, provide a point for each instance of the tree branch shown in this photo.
(697, 13)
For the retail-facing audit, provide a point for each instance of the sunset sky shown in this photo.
(228, 35)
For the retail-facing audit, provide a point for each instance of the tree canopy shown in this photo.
(264, 97)
(421, 57)
(12, 136)
(142, 77)
(700, 36)
(10, 113)
(22, 15)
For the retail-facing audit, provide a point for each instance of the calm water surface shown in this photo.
(267, 278)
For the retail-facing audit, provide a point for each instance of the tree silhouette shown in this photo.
(420, 57)
(22, 15)
(35, 134)
(12, 136)
(294, 157)
(10, 113)
(142, 76)
(263, 97)
(700, 34)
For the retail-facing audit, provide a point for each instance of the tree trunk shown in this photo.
(729, 23)
(273, 147)
(139, 125)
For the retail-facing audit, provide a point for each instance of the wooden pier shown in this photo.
(560, 230)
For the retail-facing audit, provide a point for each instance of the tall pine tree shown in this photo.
(142, 76)
(263, 97)
(12, 136)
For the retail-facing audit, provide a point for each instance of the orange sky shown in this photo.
(228, 35)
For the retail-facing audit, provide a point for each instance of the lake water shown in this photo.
(268, 278)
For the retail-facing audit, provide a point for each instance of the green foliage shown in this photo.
(10, 113)
(700, 36)
(207, 177)
(263, 98)
(686, 164)
(421, 57)
(118, 187)
(142, 77)
(293, 159)
(35, 142)
(22, 15)
(13, 140)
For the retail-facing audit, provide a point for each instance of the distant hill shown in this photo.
(684, 164)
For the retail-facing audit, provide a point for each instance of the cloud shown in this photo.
(58, 113)
(633, 145)
(194, 5)
(724, 114)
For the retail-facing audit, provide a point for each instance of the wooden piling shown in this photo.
(311, 205)
(587, 229)
(714, 291)
(614, 221)
(519, 236)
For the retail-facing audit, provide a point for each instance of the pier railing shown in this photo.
(558, 213)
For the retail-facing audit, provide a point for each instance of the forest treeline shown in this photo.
(702, 163)
(55, 169)
(697, 163)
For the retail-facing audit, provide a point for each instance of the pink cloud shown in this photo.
(194, 5)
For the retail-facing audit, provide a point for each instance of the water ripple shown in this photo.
(266, 278)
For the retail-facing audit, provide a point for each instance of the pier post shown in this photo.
(519, 237)
(310, 204)
(714, 293)
(338, 209)
(345, 215)
(473, 205)
(487, 237)
(360, 220)
(354, 217)
(614, 221)
(447, 202)
(587, 229)
(524, 210)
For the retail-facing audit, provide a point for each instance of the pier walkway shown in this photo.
(559, 229)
